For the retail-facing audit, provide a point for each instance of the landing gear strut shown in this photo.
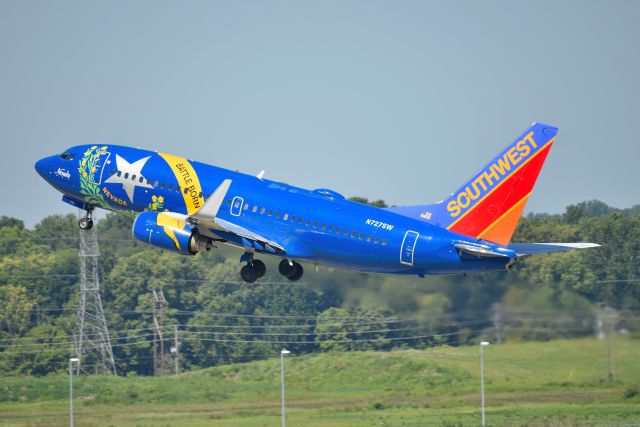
(86, 223)
(291, 270)
(253, 270)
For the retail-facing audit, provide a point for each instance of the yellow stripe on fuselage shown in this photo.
(187, 178)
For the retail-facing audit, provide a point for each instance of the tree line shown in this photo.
(217, 319)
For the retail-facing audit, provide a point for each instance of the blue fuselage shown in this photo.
(317, 226)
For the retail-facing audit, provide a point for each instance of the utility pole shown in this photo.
(606, 329)
(158, 313)
(496, 318)
(176, 351)
(92, 343)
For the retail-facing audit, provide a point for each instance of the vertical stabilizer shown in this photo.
(490, 204)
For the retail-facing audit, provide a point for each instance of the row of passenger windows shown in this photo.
(285, 216)
(155, 184)
(309, 222)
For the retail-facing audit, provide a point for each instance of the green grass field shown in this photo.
(556, 383)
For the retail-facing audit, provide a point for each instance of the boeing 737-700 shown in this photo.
(186, 206)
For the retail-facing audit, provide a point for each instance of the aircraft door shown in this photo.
(408, 247)
(236, 206)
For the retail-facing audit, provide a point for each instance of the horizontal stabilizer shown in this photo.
(523, 249)
(478, 251)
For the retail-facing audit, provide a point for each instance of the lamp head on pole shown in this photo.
(483, 343)
(285, 351)
(74, 359)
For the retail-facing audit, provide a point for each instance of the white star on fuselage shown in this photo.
(132, 169)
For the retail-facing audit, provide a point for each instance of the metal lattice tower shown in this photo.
(93, 346)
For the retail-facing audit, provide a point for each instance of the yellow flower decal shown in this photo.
(88, 166)
(157, 204)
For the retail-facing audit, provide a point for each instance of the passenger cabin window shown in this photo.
(270, 212)
(308, 222)
(141, 179)
(155, 183)
(293, 218)
(254, 209)
(163, 186)
(384, 242)
(315, 224)
(330, 227)
(119, 173)
(300, 220)
(126, 175)
(170, 187)
(353, 234)
(246, 206)
(133, 177)
(262, 211)
(285, 216)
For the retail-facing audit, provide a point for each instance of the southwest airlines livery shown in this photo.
(186, 206)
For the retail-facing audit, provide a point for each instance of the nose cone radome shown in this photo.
(43, 167)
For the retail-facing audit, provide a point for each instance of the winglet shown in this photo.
(211, 207)
(261, 174)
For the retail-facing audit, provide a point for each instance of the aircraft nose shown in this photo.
(43, 167)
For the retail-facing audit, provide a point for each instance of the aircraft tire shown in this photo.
(297, 274)
(85, 223)
(286, 269)
(261, 269)
(248, 273)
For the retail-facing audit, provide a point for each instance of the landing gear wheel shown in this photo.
(297, 274)
(249, 273)
(85, 223)
(285, 268)
(261, 269)
(292, 272)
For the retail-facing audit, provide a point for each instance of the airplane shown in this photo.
(187, 207)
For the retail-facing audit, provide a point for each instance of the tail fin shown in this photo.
(490, 204)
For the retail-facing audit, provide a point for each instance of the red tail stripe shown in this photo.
(510, 192)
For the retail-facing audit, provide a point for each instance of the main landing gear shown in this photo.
(290, 269)
(255, 269)
(86, 223)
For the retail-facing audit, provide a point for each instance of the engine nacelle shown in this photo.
(167, 232)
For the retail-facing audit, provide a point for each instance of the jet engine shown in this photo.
(168, 232)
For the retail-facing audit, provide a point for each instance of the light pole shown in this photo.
(73, 359)
(482, 345)
(282, 353)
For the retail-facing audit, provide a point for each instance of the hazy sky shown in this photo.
(397, 100)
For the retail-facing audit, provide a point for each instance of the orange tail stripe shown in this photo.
(500, 232)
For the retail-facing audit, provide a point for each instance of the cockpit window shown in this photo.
(67, 156)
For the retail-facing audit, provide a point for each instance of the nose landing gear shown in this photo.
(86, 223)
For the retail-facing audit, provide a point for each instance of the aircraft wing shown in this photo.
(524, 249)
(206, 219)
